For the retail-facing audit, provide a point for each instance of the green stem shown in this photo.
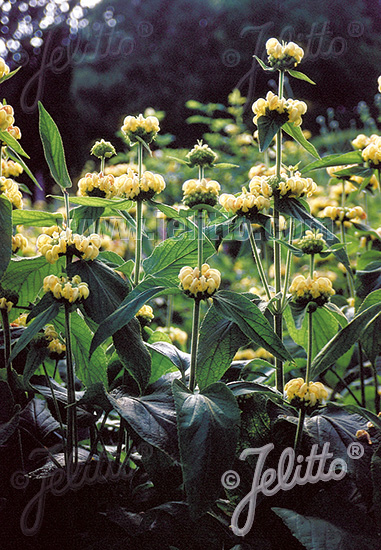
(200, 238)
(7, 343)
(139, 240)
(257, 260)
(139, 220)
(362, 375)
(288, 266)
(343, 193)
(170, 305)
(346, 386)
(376, 394)
(103, 165)
(67, 208)
(351, 285)
(299, 431)
(58, 413)
(309, 348)
(194, 345)
(312, 264)
(72, 436)
(278, 317)
(1, 156)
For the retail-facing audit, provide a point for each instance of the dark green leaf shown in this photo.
(39, 322)
(370, 339)
(353, 157)
(115, 204)
(300, 76)
(128, 308)
(46, 301)
(218, 343)
(344, 340)
(83, 217)
(296, 133)
(296, 251)
(7, 429)
(225, 165)
(208, 433)
(268, 127)
(37, 419)
(14, 156)
(92, 370)
(12, 143)
(36, 355)
(53, 148)
(317, 534)
(292, 207)
(240, 310)
(5, 234)
(368, 279)
(152, 417)
(361, 171)
(160, 364)
(177, 357)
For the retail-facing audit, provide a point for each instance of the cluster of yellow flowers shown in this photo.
(19, 242)
(96, 185)
(345, 215)
(283, 56)
(303, 395)
(249, 354)
(11, 191)
(145, 313)
(261, 169)
(53, 244)
(175, 334)
(10, 168)
(145, 128)
(201, 155)
(316, 289)
(120, 169)
(129, 187)
(292, 109)
(4, 69)
(246, 204)
(200, 285)
(311, 243)
(63, 288)
(55, 346)
(200, 192)
(7, 120)
(372, 153)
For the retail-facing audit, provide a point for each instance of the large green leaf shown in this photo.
(129, 307)
(368, 279)
(219, 341)
(208, 427)
(152, 417)
(26, 275)
(160, 364)
(53, 148)
(300, 76)
(83, 217)
(172, 254)
(251, 321)
(14, 156)
(325, 326)
(39, 322)
(318, 534)
(35, 357)
(268, 127)
(292, 207)
(296, 133)
(370, 339)
(89, 371)
(99, 202)
(37, 218)
(12, 143)
(107, 288)
(344, 339)
(5, 234)
(353, 157)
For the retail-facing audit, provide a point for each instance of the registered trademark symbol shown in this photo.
(355, 29)
(355, 450)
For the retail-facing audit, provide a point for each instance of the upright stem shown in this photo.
(72, 436)
(7, 342)
(139, 220)
(66, 197)
(200, 238)
(309, 348)
(376, 394)
(194, 345)
(349, 273)
(288, 266)
(299, 430)
(278, 317)
(170, 303)
(258, 261)
(103, 165)
(312, 264)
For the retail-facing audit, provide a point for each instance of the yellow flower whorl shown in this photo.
(316, 289)
(283, 56)
(291, 109)
(145, 128)
(64, 288)
(199, 286)
(53, 244)
(11, 191)
(97, 185)
(303, 395)
(200, 192)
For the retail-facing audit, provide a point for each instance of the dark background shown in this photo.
(160, 53)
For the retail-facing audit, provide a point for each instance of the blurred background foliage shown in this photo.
(92, 63)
